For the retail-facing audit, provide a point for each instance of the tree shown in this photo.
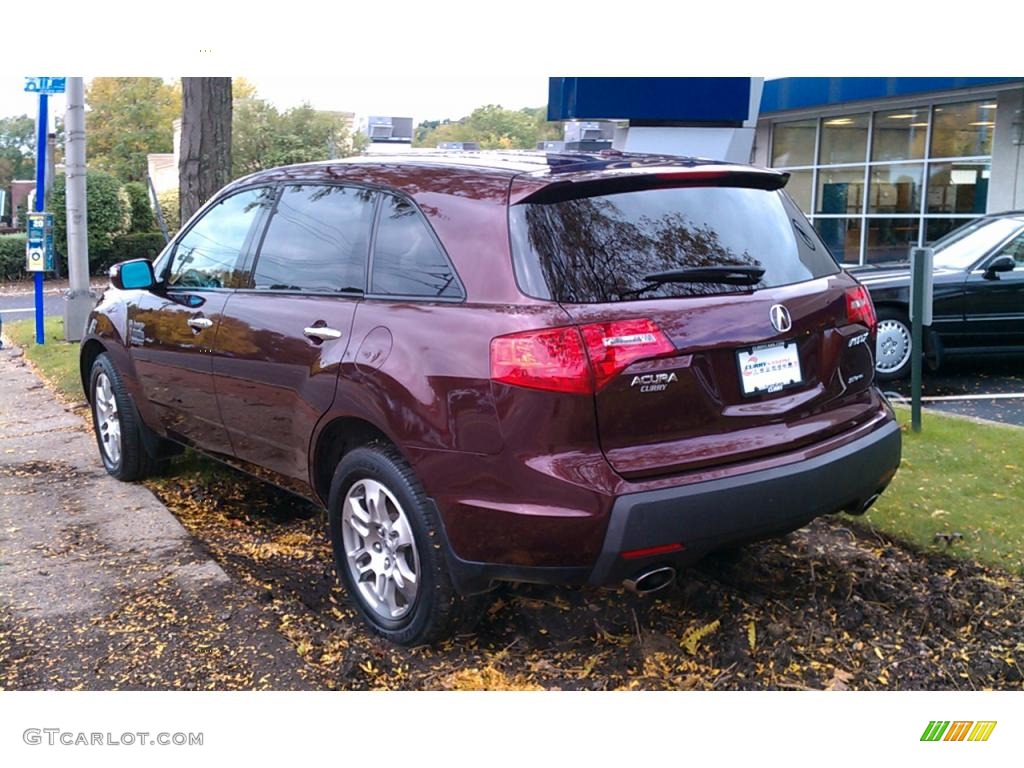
(17, 152)
(129, 118)
(263, 137)
(140, 211)
(205, 164)
(106, 214)
(493, 127)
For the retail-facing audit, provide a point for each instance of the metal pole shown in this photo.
(41, 131)
(921, 278)
(157, 209)
(78, 301)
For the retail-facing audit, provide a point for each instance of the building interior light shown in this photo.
(983, 122)
(989, 106)
(919, 125)
(839, 121)
(907, 116)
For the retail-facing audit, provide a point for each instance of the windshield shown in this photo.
(663, 243)
(962, 247)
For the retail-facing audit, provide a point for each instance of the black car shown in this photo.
(978, 304)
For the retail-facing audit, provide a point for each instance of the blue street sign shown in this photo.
(45, 85)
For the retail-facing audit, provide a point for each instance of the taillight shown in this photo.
(614, 346)
(859, 308)
(575, 361)
(552, 359)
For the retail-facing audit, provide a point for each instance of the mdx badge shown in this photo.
(781, 320)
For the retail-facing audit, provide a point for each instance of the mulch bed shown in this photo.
(833, 606)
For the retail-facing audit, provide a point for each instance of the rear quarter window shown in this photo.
(600, 249)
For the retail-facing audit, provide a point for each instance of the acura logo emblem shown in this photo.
(780, 318)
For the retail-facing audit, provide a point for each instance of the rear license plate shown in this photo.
(769, 367)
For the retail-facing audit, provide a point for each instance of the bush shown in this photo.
(140, 212)
(12, 257)
(133, 245)
(106, 216)
(170, 206)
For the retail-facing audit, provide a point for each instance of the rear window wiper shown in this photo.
(736, 275)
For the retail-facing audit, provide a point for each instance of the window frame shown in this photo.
(163, 262)
(460, 299)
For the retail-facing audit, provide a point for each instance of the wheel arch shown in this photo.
(332, 441)
(91, 349)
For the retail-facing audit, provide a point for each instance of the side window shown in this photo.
(407, 260)
(318, 240)
(1015, 248)
(207, 255)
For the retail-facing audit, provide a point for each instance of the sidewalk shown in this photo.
(100, 586)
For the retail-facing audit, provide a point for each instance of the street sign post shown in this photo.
(44, 86)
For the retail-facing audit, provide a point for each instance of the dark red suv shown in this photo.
(558, 368)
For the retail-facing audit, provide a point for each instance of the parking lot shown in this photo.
(989, 388)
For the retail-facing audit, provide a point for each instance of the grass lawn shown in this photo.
(56, 359)
(957, 476)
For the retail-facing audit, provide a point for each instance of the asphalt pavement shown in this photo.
(987, 387)
(17, 300)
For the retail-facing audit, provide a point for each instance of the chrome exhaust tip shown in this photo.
(646, 582)
(865, 506)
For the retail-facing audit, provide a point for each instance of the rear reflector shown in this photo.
(664, 549)
(575, 360)
(859, 308)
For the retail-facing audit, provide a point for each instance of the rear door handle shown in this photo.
(199, 323)
(321, 332)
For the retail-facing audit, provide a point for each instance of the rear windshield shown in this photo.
(600, 249)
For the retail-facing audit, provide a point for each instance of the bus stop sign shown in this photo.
(39, 247)
(47, 86)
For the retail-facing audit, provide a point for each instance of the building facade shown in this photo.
(883, 164)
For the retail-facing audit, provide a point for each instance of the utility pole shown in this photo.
(78, 301)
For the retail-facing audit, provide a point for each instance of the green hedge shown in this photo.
(106, 218)
(137, 245)
(12, 257)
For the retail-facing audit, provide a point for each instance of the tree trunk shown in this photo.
(205, 163)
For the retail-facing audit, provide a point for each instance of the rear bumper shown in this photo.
(709, 515)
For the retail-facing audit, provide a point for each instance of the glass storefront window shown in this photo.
(890, 239)
(844, 139)
(896, 188)
(793, 143)
(799, 188)
(840, 190)
(899, 134)
(958, 187)
(842, 236)
(963, 130)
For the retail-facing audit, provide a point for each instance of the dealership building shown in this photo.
(881, 164)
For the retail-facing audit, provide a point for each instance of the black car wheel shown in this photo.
(116, 423)
(893, 345)
(386, 540)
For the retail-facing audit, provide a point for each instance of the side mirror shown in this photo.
(136, 274)
(1000, 264)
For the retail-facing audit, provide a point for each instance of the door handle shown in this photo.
(199, 323)
(321, 332)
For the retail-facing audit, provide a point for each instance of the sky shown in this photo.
(420, 98)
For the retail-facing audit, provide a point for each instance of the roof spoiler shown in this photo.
(592, 186)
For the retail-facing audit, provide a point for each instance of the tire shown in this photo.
(377, 511)
(116, 424)
(892, 346)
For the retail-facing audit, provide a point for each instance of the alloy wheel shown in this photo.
(380, 549)
(108, 421)
(892, 348)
